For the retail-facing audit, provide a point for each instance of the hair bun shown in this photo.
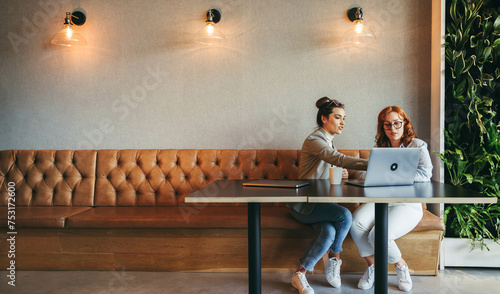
(322, 101)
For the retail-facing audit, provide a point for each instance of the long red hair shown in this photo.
(381, 138)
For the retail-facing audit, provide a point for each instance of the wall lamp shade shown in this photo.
(67, 36)
(209, 35)
(358, 33)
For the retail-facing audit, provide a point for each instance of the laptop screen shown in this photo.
(391, 167)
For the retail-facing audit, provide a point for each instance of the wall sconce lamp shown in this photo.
(209, 35)
(68, 36)
(358, 33)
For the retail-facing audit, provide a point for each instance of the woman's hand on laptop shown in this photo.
(345, 173)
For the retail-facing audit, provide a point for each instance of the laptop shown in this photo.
(276, 183)
(390, 167)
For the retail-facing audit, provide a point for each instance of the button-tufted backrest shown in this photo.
(165, 177)
(48, 177)
(135, 177)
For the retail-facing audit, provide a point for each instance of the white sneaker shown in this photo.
(403, 272)
(300, 283)
(367, 280)
(332, 271)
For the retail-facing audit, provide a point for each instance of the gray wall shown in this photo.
(142, 83)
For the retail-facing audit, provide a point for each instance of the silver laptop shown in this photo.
(276, 183)
(390, 167)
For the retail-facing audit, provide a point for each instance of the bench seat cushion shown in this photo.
(429, 222)
(41, 216)
(200, 217)
(180, 217)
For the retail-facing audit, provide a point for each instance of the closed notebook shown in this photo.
(276, 183)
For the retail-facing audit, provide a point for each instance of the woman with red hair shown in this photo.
(394, 130)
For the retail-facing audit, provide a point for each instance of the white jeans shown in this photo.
(402, 218)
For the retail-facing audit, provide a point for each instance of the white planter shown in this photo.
(457, 252)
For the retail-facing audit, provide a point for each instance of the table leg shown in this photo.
(254, 270)
(381, 248)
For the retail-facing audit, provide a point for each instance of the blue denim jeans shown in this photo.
(332, 223)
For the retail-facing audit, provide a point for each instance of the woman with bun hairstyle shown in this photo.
(394, 130)
(331, 221)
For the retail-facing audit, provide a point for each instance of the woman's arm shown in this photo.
(424, 170)
(323, 151)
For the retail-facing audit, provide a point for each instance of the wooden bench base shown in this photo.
(191, 249)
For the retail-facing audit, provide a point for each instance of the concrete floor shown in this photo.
(450, 280)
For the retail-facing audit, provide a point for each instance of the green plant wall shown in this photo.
(472, 126)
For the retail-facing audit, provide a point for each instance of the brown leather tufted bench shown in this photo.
(124, 209)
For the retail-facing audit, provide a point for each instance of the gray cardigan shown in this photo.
(317, 155)
(424, 170)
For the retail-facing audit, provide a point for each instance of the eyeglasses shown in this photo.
(396, 124)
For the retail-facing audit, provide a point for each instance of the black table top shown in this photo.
(320, 191)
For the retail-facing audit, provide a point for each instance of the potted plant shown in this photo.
(472, 126)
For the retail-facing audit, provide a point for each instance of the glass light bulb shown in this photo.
(69, 32)
(210, 29)
(358, 27)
